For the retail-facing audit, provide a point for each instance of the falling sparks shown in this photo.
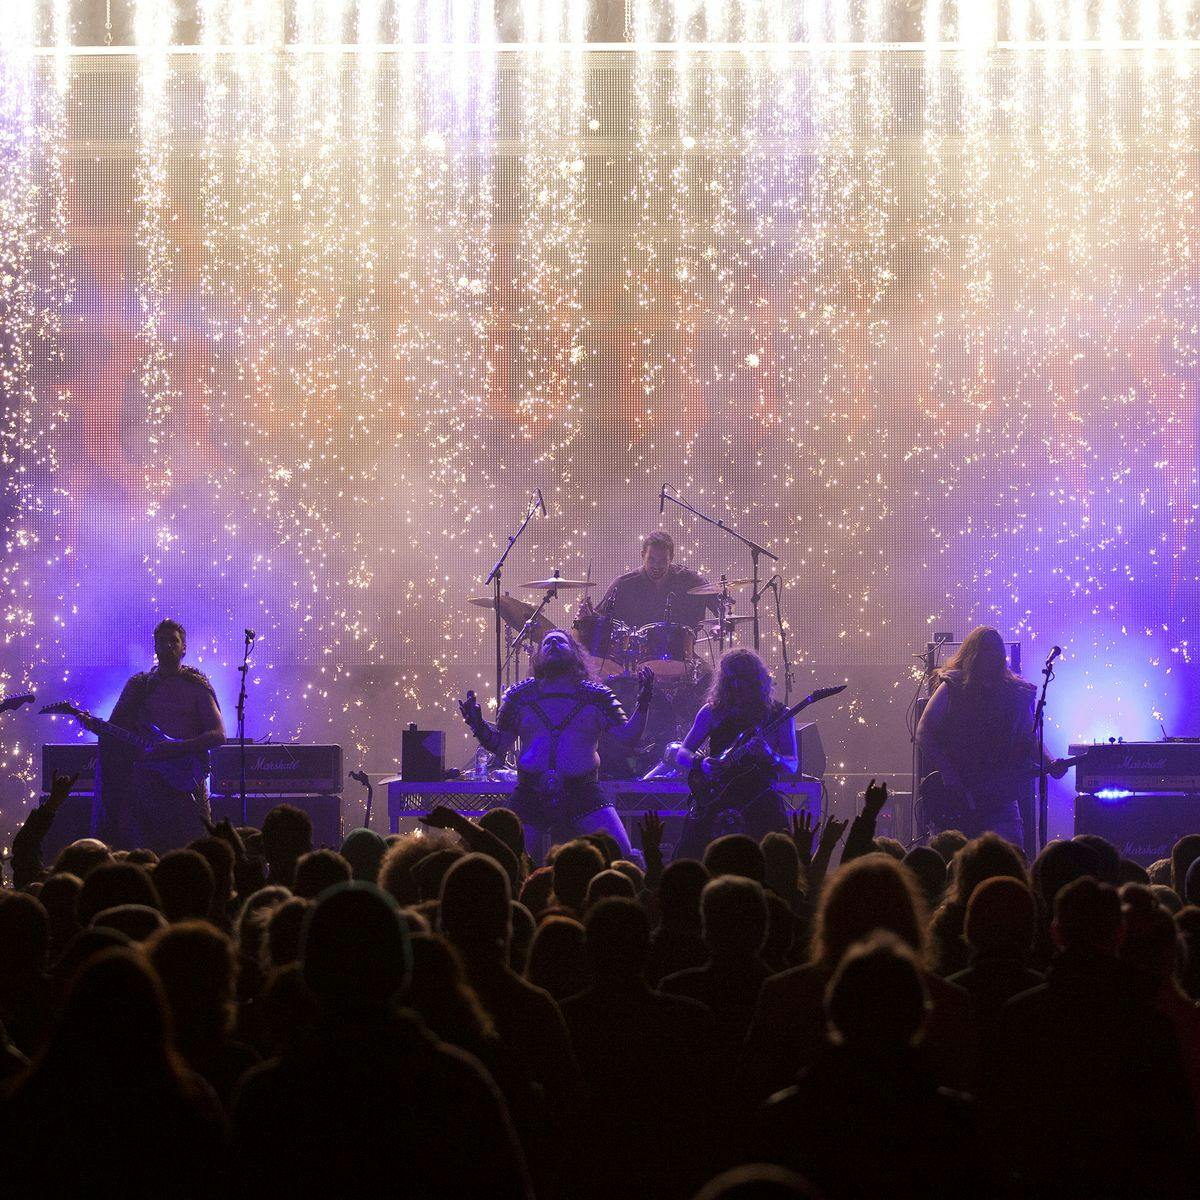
(294, 324)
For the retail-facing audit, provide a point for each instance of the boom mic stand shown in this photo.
(493, 578)
(756, 551)
(241, 721)
(1039, 723)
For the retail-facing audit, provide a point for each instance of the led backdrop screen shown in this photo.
(289, 337)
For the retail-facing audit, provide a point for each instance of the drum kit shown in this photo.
(681, 658)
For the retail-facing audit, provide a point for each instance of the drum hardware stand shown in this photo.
(513, 657)
(243, 670)
(493, 578)
(1039, 723)
(756, 551)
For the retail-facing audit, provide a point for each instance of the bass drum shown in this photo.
(673, 708)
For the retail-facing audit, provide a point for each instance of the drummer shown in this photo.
(657, 591)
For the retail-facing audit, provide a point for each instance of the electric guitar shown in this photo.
(711, 783)
(185, 773)
(944, 805)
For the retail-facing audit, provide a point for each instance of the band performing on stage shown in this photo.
(648, 685)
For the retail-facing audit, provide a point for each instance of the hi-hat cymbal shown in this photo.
(714, 589)
(514, 613)
(543, 585)
(731, 619)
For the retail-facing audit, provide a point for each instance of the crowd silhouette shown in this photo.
(438, 1015)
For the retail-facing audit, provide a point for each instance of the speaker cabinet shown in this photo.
(1143, 828)
(324, 811)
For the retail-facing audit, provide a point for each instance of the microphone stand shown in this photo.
(241, 723)
(494, 579)
(1039, 722)
(755, 552)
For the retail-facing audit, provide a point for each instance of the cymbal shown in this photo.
(546, 584)
(731, 619)
(714, 589)
(514, 613)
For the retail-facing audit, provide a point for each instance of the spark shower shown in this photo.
(300, 300)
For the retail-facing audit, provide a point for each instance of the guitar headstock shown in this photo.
(14, 702)
(825, 693)
(60, 708)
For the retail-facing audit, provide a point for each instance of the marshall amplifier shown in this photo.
(1143, 828)
(277, 768)
(71, 758)
(1111, 767)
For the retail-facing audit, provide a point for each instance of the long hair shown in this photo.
(982, 661)
(869, 893)
(735, 666)
(579, 667)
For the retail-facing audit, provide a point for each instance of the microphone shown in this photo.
(250, 635)
(1055, 651)
(541, 502)
(670, 601)
(662, 499)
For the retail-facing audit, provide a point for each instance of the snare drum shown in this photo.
(605, 643)
(666, 648)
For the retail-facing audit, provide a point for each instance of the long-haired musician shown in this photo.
(739, 701)
(557, 715)
(977, 733)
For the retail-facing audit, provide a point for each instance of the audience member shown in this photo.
(1082, 1063)
(734, 927)
(788, 1029)
(677, 943)
(109, 1098)
(1000, 928)
(299, 1123)
(575, 865)
(981, 858)
(286, 838)
(363, 849)
(113, 883)
(476, 915)
(608, 883)
(1185, 852)
(736, 854)
(634, 1043)
(185, 884)
(24, 961)
(317, 871)
(929, 868)
(197, 966)
(920, 1140)
(136, 921)
(60, 897)
(558, 958)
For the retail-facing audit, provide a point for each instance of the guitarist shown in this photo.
(739, 702)
(977, 733)
(134, 806)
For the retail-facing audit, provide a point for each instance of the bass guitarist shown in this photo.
(135, 805)
(739, 702)
(977, 742)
